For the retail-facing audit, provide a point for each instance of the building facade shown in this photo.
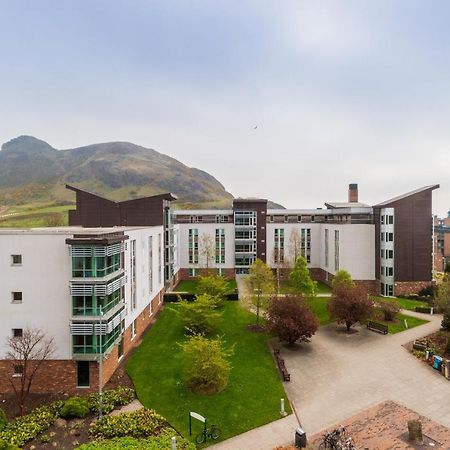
(441, 243)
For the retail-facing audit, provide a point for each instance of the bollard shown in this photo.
(174, 443)
(282, 409)
(406, 324)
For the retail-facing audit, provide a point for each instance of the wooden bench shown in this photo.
(280, 363)
(378, 327)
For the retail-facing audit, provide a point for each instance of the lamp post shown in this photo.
(100, 368)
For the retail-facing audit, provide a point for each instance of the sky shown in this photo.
(340, 92)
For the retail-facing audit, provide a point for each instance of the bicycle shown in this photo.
(212, 433)
(337, 440)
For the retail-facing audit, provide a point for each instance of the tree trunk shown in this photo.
(348, 325)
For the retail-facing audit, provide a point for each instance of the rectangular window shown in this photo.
(278, 254)
(336, 250)
(16, 260)
(220, 246)
(382, 236)
(133, 329)
(150, 264)
(133, 274)
(17, 332)
(382, 219)
(389, 254)
(16, 297)
(160, 262)
(390, 220)
(286, 219)
(82, 373)
(193, 245)
(313, 218)
(151, 308)
(305, 241)
(382, 253)
(299, 218)
(327, 249)
(389, 237)
(192, 272)
(270, 218)
(390, 271)
(18, 371)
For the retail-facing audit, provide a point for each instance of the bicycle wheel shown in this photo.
(215, 432)
(200, 438)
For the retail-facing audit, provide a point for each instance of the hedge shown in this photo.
(174, 297)
(423, 309)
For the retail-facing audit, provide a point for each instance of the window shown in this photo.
(120, 349)
(133, 329)
(16, 260)
(382, 253)
(327, 250)
(133, 274)
(382, 270)
(18, 371)
(221, 271)
(286, 218)
(270, 218)
(278, 253)
(16, 297)
(389, 237)
(82, 373)
(313, 218)
(220, 246)
(382, 236)
(193, 245)
(389, 254)
(160, 258)
(336, 249)
(150, 264)
(150, 308)
(299, 218)
(17, 332)
(192, 272)
(390, 220)
(305, 240)
(389, 271)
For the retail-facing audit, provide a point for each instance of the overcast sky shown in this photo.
(340, 91)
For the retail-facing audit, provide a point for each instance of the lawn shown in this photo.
(405, 303)
(252, 397)
(191, 285)
(398, 325)
(286, 288)
(319, 307)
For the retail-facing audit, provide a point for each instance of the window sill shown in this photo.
(17, 375)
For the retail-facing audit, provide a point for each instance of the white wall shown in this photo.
(44, 280)
(206, 228)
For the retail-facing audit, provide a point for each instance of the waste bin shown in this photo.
(300, 438)
(437, 362)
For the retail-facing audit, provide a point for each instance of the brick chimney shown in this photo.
(353, 193)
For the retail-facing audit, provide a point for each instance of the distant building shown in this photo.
(441, 242)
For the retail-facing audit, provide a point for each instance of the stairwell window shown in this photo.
(16, 260)
(18, 371)
(16, 297)
(17, 332)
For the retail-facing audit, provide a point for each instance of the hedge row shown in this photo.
(174, 297)
(423, 309)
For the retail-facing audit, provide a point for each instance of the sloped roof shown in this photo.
(431, 187)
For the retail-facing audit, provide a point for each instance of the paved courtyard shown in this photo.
(338, 375)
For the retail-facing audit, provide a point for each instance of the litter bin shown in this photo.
(437, 362)
(300, 438)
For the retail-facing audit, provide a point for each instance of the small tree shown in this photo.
(215, 286)
(291, 319)
(260, 284)
(342, 277)
(207, 250)
(447, 267)
(206, 364)
(199, 316)
(350, 305)
(389, 309)
(27, 353)
(295, 245)
(300, 279)
(442, 300)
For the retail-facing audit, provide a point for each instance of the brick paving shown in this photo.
(339, 375)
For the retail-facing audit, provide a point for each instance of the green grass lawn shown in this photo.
(405, 303)
(319, 307)
(398, 325)
(191, 285)
(252, 397)
(285, 287)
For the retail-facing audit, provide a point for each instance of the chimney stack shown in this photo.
(353, 193)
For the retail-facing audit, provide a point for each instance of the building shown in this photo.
(441, 243)
(96, 285)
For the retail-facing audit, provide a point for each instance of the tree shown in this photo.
(442, 300)
(389, 308)
(350, 305)
(301, 281)
(342, 277)
(215, 286)
(295, 245)
(260, 284)
(206, 364)
(291, 319)
(199, 316)
(27, 353)
(447, 267)
(207, 250)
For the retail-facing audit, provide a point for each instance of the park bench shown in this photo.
(280, 363)
(378, 327)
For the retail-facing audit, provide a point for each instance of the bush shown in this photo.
(389, 309)
(199, 317)
(75, 407)
(19, 431)
(427, 291)
(3, 419)
(111, 399)
(215, 286)
(5, 446)
(163, 441)
(137, 424)
(423, 309)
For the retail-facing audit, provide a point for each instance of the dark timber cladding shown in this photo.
(260, 207)
(96, 211)
(413, 230)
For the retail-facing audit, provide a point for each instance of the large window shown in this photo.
(193, 245)
(133, 274)
(220, 246)
(278, 255)
(336, 250)
(305, 240)
(327, 249)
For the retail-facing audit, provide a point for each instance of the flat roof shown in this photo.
(197, 212)
(323, 212)
(69, 230)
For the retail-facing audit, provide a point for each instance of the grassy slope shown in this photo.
(254, 391)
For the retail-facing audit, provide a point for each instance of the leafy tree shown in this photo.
(442, 300)
(199, 316)
(260, 284)
(295, 245)
(390, 309)
(206, 364)
(291, 319)
(207, 250)
(342, 277)
(447, 267)
(27, 353)
(301, 281)
(350, 305)
(215, 286)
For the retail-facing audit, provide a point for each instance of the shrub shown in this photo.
(423, 309)
(427, 291)
(215, 286)
(206, 364)
(5, 446)
(199, 317)
(389, 309)
(300, 279)
(75, 407)
(111, 399)
(163, 441)
(291, 319)
(3, 419)
(137, 424)
(24, 428)
(175, 297)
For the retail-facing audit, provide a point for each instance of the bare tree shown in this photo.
(27, 354)
(207, 250)
(295, 245)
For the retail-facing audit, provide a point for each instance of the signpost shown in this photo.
(198, 417)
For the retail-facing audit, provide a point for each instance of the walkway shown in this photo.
(338, 375)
